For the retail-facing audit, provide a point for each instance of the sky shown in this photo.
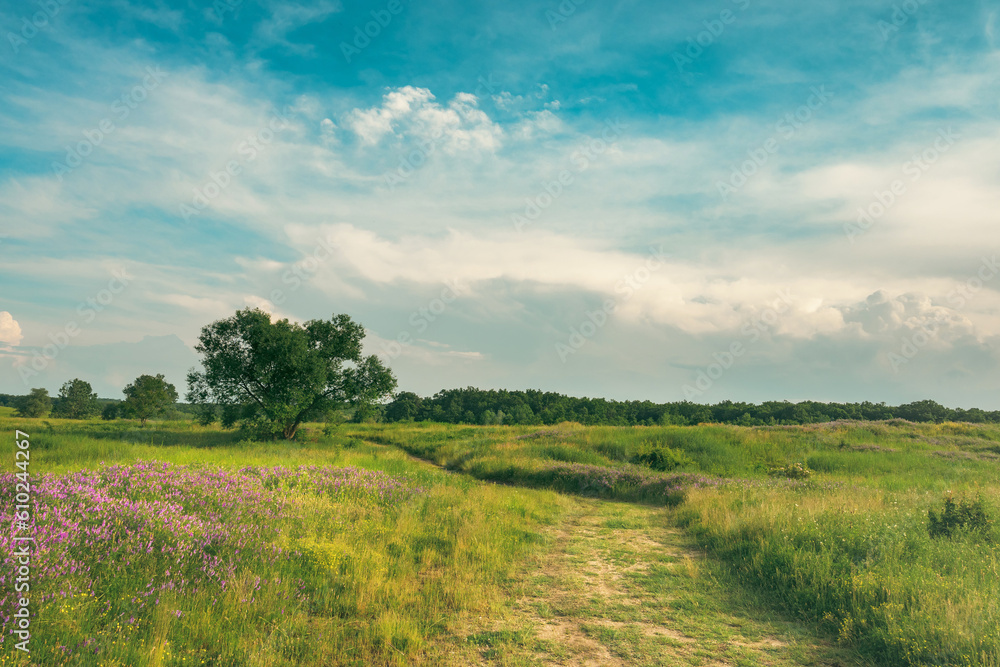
(742, 199)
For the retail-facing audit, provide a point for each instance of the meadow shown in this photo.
(363, 544)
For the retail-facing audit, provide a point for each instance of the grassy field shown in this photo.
(176, 544)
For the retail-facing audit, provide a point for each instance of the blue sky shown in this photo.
(742, 199)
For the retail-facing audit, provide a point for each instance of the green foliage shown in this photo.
(206, 413)
(77, 400)
(404, 407)
(791, 471)
(965, 515)
(110, 412)
(34, 405)
(523, 415)
(148, 396)
(469, 406)
(272, 376)
(660, 457)
(366, 413)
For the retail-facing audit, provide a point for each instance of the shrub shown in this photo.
(962, 515)
(662, 458)
(36, 404)
(792, 471)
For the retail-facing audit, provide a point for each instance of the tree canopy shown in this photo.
(36, 404)
(77, 400)
(147, 397)
(501, 406)
(272, 376)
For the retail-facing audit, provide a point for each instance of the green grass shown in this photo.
(370, 584)
(848, 551)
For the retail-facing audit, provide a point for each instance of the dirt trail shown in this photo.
(619, 586)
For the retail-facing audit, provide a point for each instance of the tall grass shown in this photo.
(849, 549)
(365, 582)
(861, 563)
(301, 573)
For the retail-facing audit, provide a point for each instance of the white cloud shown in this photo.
(452, 220)
(881, 316)
(411, 112)
(33, 205)
(286, 18)
(374, 123)
(10, 330)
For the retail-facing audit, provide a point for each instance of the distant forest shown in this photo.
(493, 406)
(176, 411)
(481, 406)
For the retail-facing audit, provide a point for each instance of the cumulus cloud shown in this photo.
(10, 330)
(412, 112)
(881, 316)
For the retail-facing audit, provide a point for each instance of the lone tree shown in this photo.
(148, 396)
(77, 400)
(35, 404)
(273, 376)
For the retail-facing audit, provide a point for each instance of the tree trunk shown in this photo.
(289, 431)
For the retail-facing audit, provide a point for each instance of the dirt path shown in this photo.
(619, 586)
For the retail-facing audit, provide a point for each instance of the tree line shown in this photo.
(500, 406)
(270, 376)
(148, 396)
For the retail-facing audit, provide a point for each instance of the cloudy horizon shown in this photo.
(747, 200)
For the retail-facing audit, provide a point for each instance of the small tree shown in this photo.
(110, 412)
(35, 404)
(77, 400)
(148, 396)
